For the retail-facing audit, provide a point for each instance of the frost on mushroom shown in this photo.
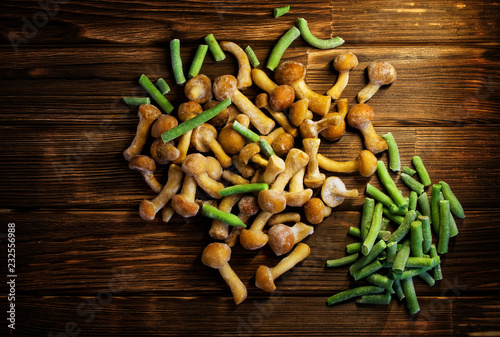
(334, 192)
(379, 73)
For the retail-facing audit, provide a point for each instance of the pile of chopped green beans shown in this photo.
(388, 263)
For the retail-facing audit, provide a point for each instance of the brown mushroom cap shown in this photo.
(345, 61)
(202, 135)
(188, 110)
(333, 192)
(163, 124)
(252, 239)
(199, 89)
(195, 164)
(367, 163)
(162, 152)
(298, 112)
(149, 112)
(360, 115)
(335, 132)
(142, 163)
(290, 72)
(214, 168)
(230, 140)
(224, 86)
(283, 144)
(314, 210)
(221, 118)
(264, 279)
(184, 207)
(272, 201)
(249, 205)
(216, 255)
(381, 73)
(282, 97)
(281, 239)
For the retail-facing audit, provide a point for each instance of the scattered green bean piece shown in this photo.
(399, 290)
(162, 101)
(365, 260)
(426, 233)
(353, 292)
(379, 196)
(279, 49)
(422, 172)
(215, 48)
(425, 206)
(393, 152)
(136, 100)
(391, 251)
(453, 227)
(190, 124)
(436, 190)
(246, 188)
(412, 183)
(175, 56)
(375, 299)
(412, 201)
(389, 185)
(374, 229)
(409, 171)
(455, 206)
(354, 247)
(266, 148)
(444, 226)
(342, 261)
(316, 42)
(380, 280)
(252, 57)
(367, 270)
(408, 273)
(418, 262)
(215, 213)
(162, 86)
(416, 239)
(410, 295)
(385, 223)
(198, 59)
(404, 228)
(401, 258)
(438, 274)
(277, 12)
(366, 216)
(397, 219)
(354, 231)
(427, 278)
(245, 132)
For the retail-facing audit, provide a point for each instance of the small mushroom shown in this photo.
(248, 207)
(225, 86)
(297, 196)
(313, 178)
(220, 230)
(254, 238)
(265, 276)
(379, 73)
(283, 144)
(246, 170)
(198, 89)
(310, 129)
(315, 211)
(334, 192)
(220, 120)
(275, 166)
(163, 124)
(147, 115)
(195, 165)
(214, 168)
(365, 164)
(360, 117)
(336, 132)
(271, 137)
(244, 77)
(185, 112)
(146, 166)
(147, 208)
(284, 218)
(164, 153)
(247, 152)
(204, 139)
(293, 73)
(343, 63)
(230, 140)
(217, 255)
(299, 111)
(282, 238)
(234, 178)
(262, 101)
(184, 203)
(281, 97)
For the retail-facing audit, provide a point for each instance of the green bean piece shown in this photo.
(425, 206)
(436, 190)
(277, 12)
(398, 210)
(199, 58)
(385, 223)
(215, 213)
(384, 235)
(382, 256)
(389, 185)
(412, 183)
(136, 100)
(422, 172)
(175, 56)
(379, 196)
(427, 279)
(426, 233)
(215, 48)
(438, 274)
(162, 101)
(399, 290)
(266, 148)
(366, 217)
(444, 226)
(416, 239)
(380, 281)
(365, 260)
(384, 299)
(374, 229)
(367, 270)
(245, 132)
(412, 272)
(412, 201)
(252, 57)
(418, 262)
(409, 171)
(401, 258)
(354, 231)
(246, 188)
(354, 247)
(316, 42)
(162, 86)
(404, 228)
(397, 219)
(393, 152)
(391, 251)
(279, 49)
(190, 124)
(455, 206)
(453, 227)
(353, 292)
(410, 295)
(342, 261)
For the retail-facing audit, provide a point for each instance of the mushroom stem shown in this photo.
(248, 207)
(275, 166)
(253, 238)
(244, 78)
(195, 165)
(184, 203)
(147, 115)
(284, 218)
(237, 287)
(313, 177)
(234, 178)
(365, 164)
(343, 63)
(310, 129)
(219, 229)
(360, 117)
(379, 73)
(146, 166)
(297, 196)
(262, 101)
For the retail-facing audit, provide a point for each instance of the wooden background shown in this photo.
(88, 265)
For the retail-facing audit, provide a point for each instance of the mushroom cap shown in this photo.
(198, 89)
(147, 210)
(230, 140)
(334, 192)
(281, 239)
(149, 112)
(264, 279)
(195, 164)
(248, 205)
(142, 163)
(216, 255)
(282, 97)
(214, 168)
(283, 144)
(202, 135)
(334, 132)
(221, 118)
(184, 207)
(381, 72)
(289, 72)
(314, 210)
(360, 115)
(298, 112)
(299, 198)
(162, 152)
(232, 112)
(252, 239)
(367, 163)
(188, 110)
(224, 87)
(163, 124)
(272, 201)
(345, 61)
